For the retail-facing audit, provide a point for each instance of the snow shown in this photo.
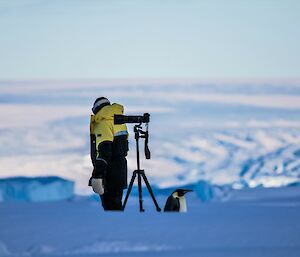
(252, 222)
(36, 189)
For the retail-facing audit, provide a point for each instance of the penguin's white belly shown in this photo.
(182, 204)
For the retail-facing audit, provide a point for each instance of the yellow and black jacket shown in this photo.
(109, 147)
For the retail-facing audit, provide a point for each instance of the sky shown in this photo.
(64, 39)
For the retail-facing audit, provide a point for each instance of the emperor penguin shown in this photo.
(176, 202)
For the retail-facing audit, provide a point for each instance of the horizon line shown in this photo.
(164, 80)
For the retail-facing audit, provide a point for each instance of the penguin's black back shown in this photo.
(172, 204)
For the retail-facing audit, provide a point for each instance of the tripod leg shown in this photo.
(151, 192)
(129, 189)
(140, 192)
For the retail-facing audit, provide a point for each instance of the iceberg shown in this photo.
(35, 189)
(204, 191)
(208, 192)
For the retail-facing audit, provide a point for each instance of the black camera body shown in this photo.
(121, 119)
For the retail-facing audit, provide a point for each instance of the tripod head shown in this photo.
(139, 133)
(138, 129)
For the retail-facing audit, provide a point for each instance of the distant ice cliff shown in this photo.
(35, 189)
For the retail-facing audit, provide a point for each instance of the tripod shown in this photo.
(140, 174)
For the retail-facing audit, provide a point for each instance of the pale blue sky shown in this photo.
(149, 39)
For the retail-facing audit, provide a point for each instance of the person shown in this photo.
(109, 147)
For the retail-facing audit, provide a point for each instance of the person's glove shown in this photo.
(97, 185)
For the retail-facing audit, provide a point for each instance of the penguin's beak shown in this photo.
(187, 191)
(182, 192)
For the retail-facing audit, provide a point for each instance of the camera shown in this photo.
(121, 119)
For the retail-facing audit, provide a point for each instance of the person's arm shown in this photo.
(93, 151)
(104, 153)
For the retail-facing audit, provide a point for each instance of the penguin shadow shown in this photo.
(176, 202)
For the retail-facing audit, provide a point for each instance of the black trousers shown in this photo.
(112, 200)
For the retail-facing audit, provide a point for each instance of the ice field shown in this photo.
(242, 133)
(236, 144)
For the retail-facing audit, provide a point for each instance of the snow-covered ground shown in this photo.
(254, 222)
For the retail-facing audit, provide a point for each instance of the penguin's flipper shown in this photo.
(172, 204)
